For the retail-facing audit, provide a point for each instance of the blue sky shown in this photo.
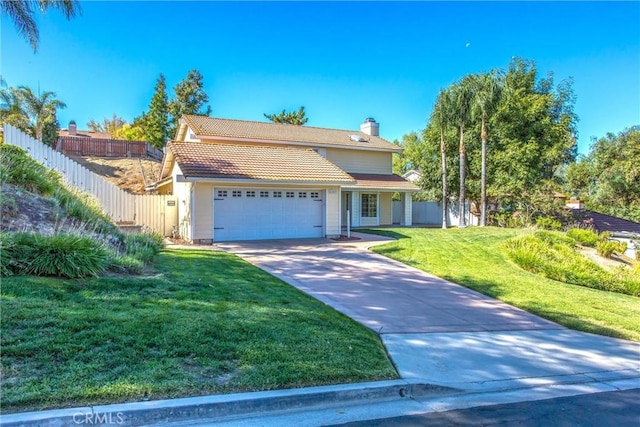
(344, 61)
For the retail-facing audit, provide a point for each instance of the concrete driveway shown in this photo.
(437, 331)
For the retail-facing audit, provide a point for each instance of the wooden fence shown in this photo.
(159, 213)
(79, 146)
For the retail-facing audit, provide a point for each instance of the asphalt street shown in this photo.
(618, 408)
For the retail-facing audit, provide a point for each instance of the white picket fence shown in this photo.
(159, 213)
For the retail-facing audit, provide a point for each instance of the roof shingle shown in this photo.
(382, 182)
(215, 127)
(204, 160)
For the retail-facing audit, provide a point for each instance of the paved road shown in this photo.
(618, 408)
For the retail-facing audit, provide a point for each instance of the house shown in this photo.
(412, 175)
(601, 222)
(245, 180)
(75, 142)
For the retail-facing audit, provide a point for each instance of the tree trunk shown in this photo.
(483, 178)
(463, 171)
(444, 179)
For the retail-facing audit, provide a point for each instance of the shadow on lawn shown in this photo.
(382, 232)
(569, 320)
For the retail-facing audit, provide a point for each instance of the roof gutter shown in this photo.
(182, 178)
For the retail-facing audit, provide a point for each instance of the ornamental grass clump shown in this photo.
(61, 255)
(552, 256)
(583, 236)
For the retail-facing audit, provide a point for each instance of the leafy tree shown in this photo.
(404, 162)
(190, 98)
(129, 132)
(296, 118)
(22, 12)
(608, 178)
(155, 122)
(107, 125)
(532, 139)
(41, 110)
(486, 93)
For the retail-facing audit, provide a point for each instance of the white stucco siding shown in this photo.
(332, 211)
(182, 190)
(203, 212)
(360, 161)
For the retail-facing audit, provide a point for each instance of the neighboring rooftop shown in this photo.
(602, 222)
(221, 161)
(275, 132)
(83, 134)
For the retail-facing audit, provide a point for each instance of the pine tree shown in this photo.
(155, 122)
(296, 118)
(190, 98)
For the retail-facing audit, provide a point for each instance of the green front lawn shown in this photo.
(472, 257)
(204, 322)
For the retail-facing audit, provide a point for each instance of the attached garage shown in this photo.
(259, 213)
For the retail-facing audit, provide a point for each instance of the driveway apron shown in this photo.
(435, 330)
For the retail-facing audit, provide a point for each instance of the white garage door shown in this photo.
(257, 214)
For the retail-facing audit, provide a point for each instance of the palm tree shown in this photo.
(42, 108)
(486, 93)
(11, 107)
(21, 13)
(442, 115)
(461, 106)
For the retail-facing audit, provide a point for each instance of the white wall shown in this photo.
(332, 211)
(203, 211)
(430, 213)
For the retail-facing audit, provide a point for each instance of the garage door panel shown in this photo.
(295, 214)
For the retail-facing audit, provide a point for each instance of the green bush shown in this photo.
(548, 223)
(124, 264)
(16, 167)
(545, 254)
(143, 246)
(554, 237)
(61, 255)
(583, 237)
(607, 248)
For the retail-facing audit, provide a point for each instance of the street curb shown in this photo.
(225, 406)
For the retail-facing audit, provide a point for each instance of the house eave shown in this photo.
(262, 182)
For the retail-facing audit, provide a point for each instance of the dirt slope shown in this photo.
(126, 173)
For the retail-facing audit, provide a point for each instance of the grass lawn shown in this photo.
(204, 322)
(472, 257)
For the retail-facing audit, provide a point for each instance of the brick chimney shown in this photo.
(370, 127)
(72, 128)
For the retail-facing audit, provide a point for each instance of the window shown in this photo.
(290, 194)
(277, 194)
(236, 193)
(264, 194)
(222, 193)
(302, 194)
(315, 195)
(369, 205)
(251, 194)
